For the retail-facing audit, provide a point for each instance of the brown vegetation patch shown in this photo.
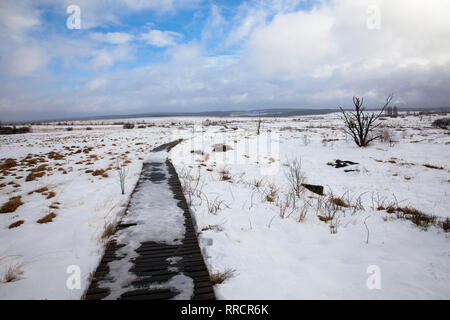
(415, 216)
(11, 205)
(37, 172)
(225, 177)
(8, 164)
(30, 161)
(16, 224)
(220, 277)
(100, 172)
(41, 190)
(109, 230)
(339, 202)
(48, 218)
(324, 219)
(430, 166)
(51, 194)
(55, 156)
(88, 149)
(391, 209)
(34, 176)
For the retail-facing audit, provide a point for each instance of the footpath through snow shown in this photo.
(154, 253)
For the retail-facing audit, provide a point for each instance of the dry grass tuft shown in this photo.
(214, 227)
(391, 209)
(11, 205)
(100, 172)
(16, 224)
(12, 274)
(8, 164)
(48, 218)
(324, 219)
(55, 156)
(51, 194)
(220, 277)
(109, 229)
(41, 190)
(417, 217)
(225, 177)
(430, 166)
(37, 172)
(339, 202)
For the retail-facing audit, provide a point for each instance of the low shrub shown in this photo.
(128, 126)
(441, 123)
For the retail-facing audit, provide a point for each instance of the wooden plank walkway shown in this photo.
(152, 265)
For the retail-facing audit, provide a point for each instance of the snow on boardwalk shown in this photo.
(155, 252)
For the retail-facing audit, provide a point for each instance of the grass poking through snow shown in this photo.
(11, 205)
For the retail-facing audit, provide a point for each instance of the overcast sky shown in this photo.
(137, 56)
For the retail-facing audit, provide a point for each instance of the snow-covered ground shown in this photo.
(40, 254)
(236, 205)
(237, 198)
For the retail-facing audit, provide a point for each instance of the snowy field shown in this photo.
(262, 243)
(260, 240)
(75, 177)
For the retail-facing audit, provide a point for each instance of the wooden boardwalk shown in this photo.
(152, 265)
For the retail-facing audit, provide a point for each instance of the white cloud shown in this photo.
(17, 18)
(254, 14)
(215, 25)
(26, 60)
(160, 38)
(332, 43)
(161, 5)
(284, 57)
(97, 83)
(112, 37)
(105, 58)
(335, 34)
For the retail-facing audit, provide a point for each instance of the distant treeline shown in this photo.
(14, 130)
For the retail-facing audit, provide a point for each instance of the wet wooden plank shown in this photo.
(151, 266)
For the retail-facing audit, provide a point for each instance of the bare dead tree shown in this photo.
(361, 124)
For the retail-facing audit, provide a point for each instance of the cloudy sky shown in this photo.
(136, 56)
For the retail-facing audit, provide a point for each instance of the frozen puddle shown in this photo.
(155, 253)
